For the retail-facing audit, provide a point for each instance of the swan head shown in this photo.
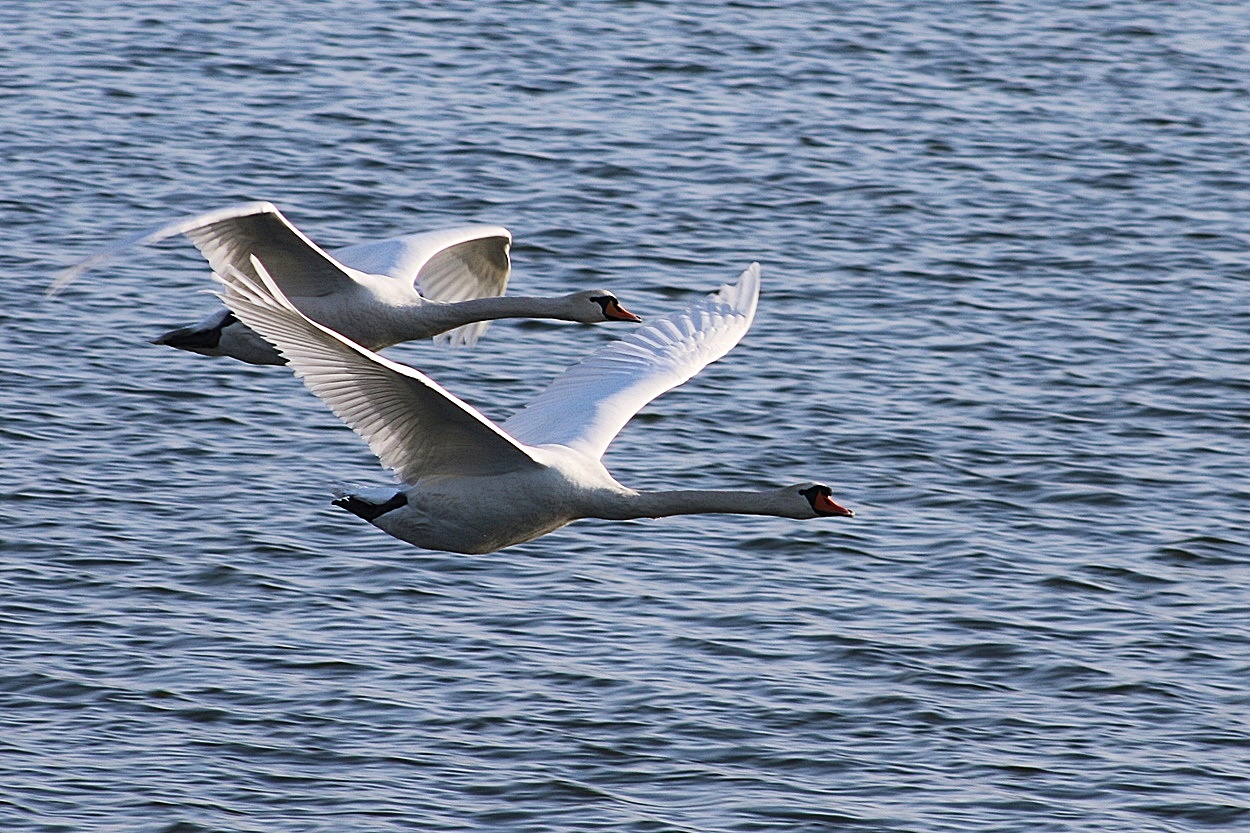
(820, 502)
(594, 306)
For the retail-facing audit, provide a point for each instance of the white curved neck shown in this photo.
(632, 505)
(491, 309)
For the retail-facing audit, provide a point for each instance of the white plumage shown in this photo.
(446, 284)
(473, 486)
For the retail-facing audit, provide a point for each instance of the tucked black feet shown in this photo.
(203, 336)
(368, 510)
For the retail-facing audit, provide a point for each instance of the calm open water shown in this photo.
(1006, 314)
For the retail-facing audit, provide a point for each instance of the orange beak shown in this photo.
(829, 506)
(616, 312)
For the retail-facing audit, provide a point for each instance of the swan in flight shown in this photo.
(473, 486)
(447, 283)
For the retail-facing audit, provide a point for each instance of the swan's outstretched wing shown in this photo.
(228, 238)
(587, 405)
(447, 265)
(414, 426)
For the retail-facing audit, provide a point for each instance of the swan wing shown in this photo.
(587, 405)
(446, 265)
(228, 238)
(413, 425)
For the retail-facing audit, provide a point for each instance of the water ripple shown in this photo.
(1004, 313)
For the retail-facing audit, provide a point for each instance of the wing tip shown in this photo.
(181, 226)
(744, 294)
(67, 276)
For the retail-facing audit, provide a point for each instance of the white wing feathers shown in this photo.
(473, 269)
(226, 236)
(413, 425)
(303, 267)
(587, 405)
(153, 235)
(446, 265)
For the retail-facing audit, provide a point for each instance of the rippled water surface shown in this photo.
(1006, 313)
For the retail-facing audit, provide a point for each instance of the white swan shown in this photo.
(473, 486)
(447, 283)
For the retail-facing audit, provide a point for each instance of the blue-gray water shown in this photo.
(1006, 314)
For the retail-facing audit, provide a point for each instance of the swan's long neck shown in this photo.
(631, 505)
(490, 309)
(380, 324)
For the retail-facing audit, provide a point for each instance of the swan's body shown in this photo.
(473, 486)
(446, 283)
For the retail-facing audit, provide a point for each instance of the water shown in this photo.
(1005, 313)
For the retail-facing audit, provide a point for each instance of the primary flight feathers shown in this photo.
(587, 405)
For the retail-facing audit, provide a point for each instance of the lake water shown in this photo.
(1006, 314)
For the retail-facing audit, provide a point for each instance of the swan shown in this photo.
(447, 283)
(473, 486)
